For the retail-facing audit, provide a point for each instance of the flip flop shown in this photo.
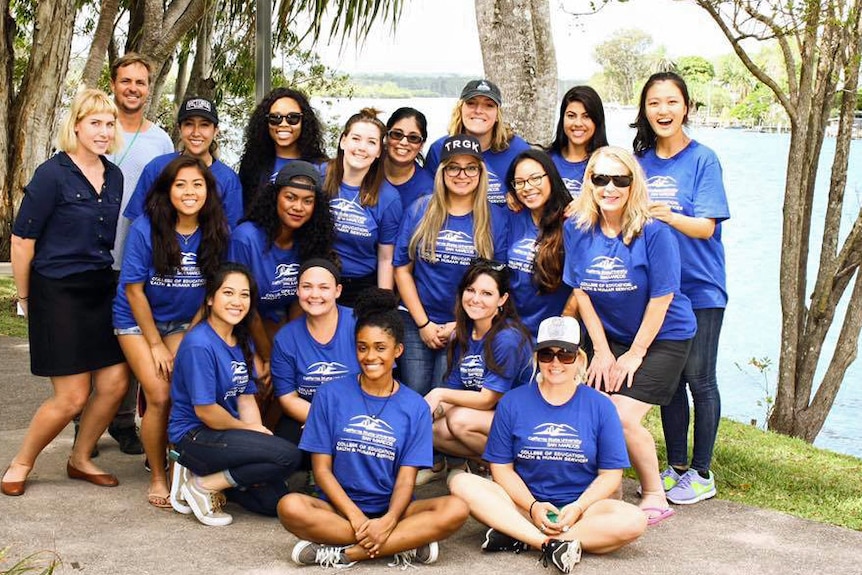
(160, 501)
(661, 514)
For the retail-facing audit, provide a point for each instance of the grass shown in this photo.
(10, 323)
(39, 563)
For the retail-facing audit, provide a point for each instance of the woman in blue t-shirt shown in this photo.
(170, 251)
(220, 442)
(489, 355)
(313, 349)
(624, 268)
(557, 457)
(685, 185)
(365, 207)
(367, 436)
(407, 130)
(580, 132)
(439, 237)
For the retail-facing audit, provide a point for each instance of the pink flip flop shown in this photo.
(662, 514)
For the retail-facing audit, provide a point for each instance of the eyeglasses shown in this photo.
(293, 118)
(603, 180)
(452, 170)
(492, 264)
(398, 135)
(535, 180)
(565, 356)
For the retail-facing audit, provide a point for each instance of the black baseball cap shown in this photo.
(485, 88)
(197, 107)
(298, 169)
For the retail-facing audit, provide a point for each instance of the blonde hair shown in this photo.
(635, 212)
(580, 375)
(501, 133)
(423, 243)
(86, 103)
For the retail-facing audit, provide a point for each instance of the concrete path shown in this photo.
(111, 531)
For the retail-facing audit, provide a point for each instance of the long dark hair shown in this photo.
(548, 264)
(378, 307)
(316, 236)
(163, 219)
(421, 123)
(369, 190)
(258, 156)
(242, 330)
(506, 317)
(645, 137)
(592, 103)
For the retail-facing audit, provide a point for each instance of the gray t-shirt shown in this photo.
(138, 150)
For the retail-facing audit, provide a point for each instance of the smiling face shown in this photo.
(557, 372)
(362, 145)
(479, 114)
(231, 301)
(188, 192)
(131, 88)
(294, 206)
(285, 136)
(666, 109)
(317, 291)
(401, 151)
(578, 125)
(376, 351)
(481, 299)
(196, 134)
(461, 185)
(95, 132)
(610, 199)
(533, 197)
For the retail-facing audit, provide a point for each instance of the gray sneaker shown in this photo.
(564, 555)
(179, 477)
(310, 553)
(425, 554)
(206, 505)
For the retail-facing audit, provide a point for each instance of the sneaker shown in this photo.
(499, 541)
(206, 505)
(669, 478)
(310, 553)
(564, 555)
(428, 475)
(425, 554)
(127, 437)
(179, 477)
(692, 488)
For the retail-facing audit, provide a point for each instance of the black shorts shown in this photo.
(657, 378)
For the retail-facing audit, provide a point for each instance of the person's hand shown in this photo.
(539, 516)
(444, 334)
(661, 211)
(624, 370)
(374, 533)
(599, 370)
(163, 359)
(432, 398)
(569, 515)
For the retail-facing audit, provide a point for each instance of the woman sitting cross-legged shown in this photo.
(368, 436)
(557, 455)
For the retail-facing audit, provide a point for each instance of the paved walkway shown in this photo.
(111, 531)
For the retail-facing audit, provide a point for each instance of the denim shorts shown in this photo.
(165, 328)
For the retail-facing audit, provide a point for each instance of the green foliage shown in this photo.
(695, 69)
(767, 400)
(39, 563)
(624, 58)
(10, 323)
(349, 18)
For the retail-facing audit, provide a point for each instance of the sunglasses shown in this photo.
(293, 118)
(603, 180)
(452, 170)
(492, 264)
(398, 135)
(565, 356)
(535, 181)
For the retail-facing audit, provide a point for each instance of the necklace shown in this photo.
(187, 237)
(376, 416)
(132, 143)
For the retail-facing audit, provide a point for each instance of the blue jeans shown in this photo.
(256, 464)
(699, 374)
(422, 368)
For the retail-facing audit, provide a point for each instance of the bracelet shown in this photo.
(531, 507)
(24, 298)
(424, 325)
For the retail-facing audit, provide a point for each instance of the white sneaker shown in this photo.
(425, 554)
(179, 476)
(206, 505)
(310, 553)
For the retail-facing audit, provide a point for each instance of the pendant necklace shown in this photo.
(376, 416)
(187, 237)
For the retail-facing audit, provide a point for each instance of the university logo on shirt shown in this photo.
(553, 441)
(455, 247)
(371, 435)
(328, 369)
(522, 255)
(574, 187)
(188, 259)
(239, 370)
(664, 189)
(607, 274)
(350, 217)
(472, 369)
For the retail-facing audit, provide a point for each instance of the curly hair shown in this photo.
(378, 307)
(548, 264)
(369, 189)
(645, 136)
(316, 236)
(163, 219)
(258, 156)
(505, 318)
(592, 104)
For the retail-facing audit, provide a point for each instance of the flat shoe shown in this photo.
(12, 488)
(657, 515)
(100, 479)
(160, 501)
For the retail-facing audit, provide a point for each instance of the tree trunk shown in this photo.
(99, 44)
(7, 125)
(518, 55)
(201, 82)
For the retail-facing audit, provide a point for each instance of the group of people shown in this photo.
(381, 320)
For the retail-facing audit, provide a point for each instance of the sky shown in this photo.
(440, 36)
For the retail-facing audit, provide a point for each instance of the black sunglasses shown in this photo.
(398, 135)
(492, 264)
(603, 180)
(293, 118)
(565, 356)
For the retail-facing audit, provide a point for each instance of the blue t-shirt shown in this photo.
(571, 172)
(300, 363)
(275, 270)
(421, 183)
(369, 438)
(497, 164)
(437, 282)
(557, 450)
(691, 183)
(74, 227)
(532, 306)
(207, 371)
(173, 297)
(621, 279)
(227, 183)
(359, 229)
(513, 354)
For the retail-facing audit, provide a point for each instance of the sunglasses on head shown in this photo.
(293, 118)
(547, 355)
(492, 264)
(398, 135)
(603, 180)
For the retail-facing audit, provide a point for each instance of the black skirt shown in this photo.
(70, 323)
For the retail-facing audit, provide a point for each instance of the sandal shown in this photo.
(656, 515)
(159, 501)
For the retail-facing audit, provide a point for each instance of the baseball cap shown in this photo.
(460, 144)
(297, 169)
(559, 331)
(197, 107)
(485, 88)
